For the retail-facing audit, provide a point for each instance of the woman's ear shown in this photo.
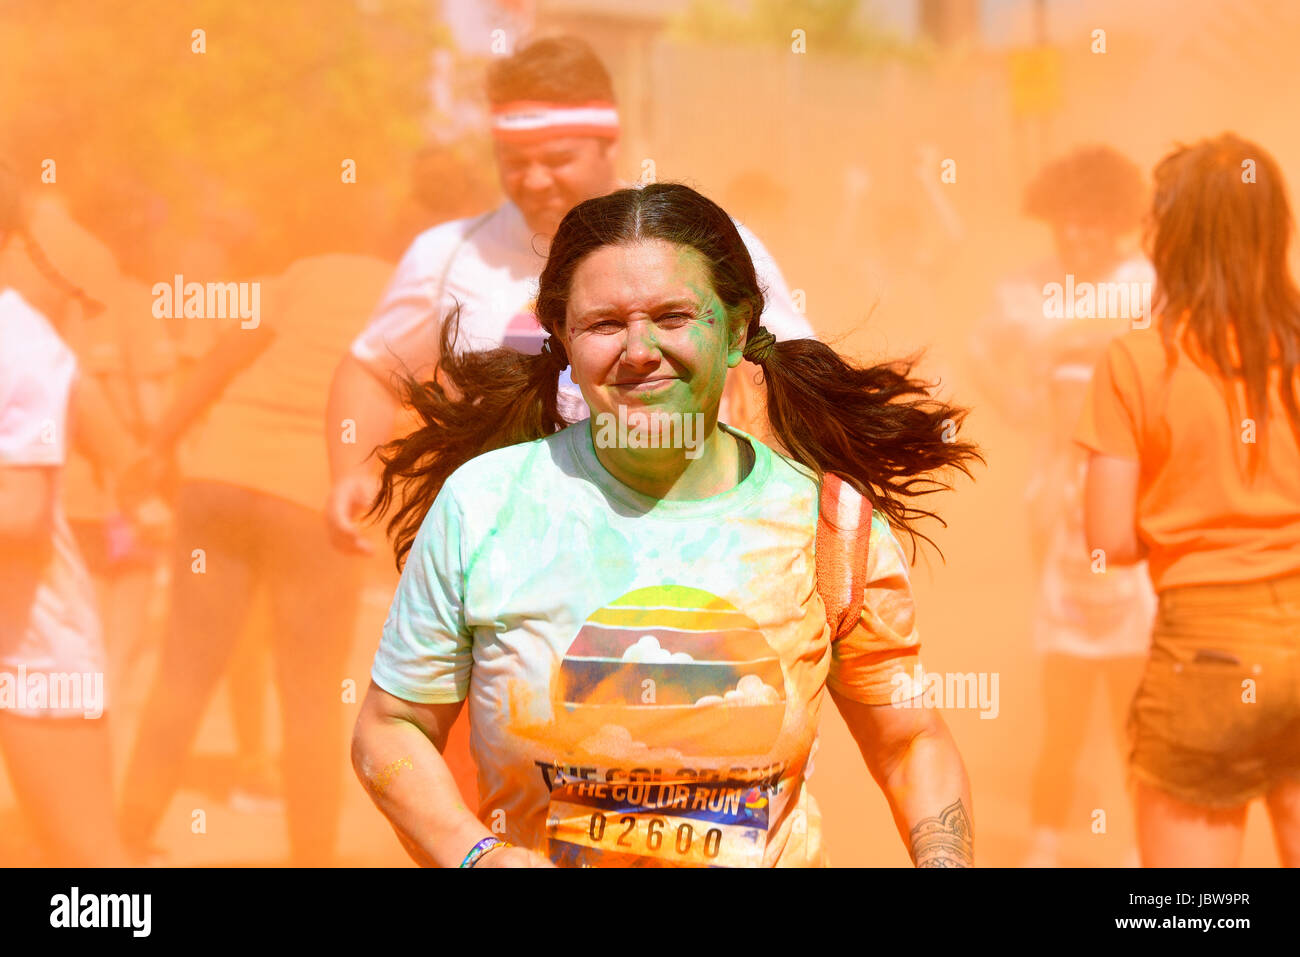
(562, 334)
(739, 323)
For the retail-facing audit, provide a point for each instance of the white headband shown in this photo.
(530, 120)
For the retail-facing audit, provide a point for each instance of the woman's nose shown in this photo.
(641, 344)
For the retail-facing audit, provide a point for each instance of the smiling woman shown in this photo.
(609, 605)
(611, 258)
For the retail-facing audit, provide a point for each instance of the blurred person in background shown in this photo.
(1034, 361)
(136, 358)
(250, 500)
(446, 183)
(57, 751)
(132, 358)
(1193, 432)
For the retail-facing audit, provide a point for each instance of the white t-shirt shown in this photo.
(47, 616)
(644, 677)
(489, 265)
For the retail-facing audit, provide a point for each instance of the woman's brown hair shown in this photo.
(1218, 239)
(873, 425)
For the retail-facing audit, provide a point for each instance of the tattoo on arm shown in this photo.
(944, 841)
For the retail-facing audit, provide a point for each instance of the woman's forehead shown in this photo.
(639, 275)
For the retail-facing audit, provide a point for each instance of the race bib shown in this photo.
(657, 824)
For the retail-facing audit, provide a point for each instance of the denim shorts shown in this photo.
(1216, 719)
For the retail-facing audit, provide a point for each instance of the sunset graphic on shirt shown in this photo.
(669, 668)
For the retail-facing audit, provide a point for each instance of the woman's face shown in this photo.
(645, 330)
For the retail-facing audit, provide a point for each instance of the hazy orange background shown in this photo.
(225, 165)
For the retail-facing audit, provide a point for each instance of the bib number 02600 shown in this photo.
(632, 840)
(666, 824)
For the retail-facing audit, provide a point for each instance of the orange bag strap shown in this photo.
(841, 550)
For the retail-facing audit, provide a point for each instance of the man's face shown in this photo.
(548, 178)
(1084, 248)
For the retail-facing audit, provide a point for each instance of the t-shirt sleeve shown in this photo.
(780, 317)
(1110, 422)
(402, 334)
(426, 652)
(885, 644)
(36, 375)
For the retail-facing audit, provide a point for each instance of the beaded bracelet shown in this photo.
(481, 848)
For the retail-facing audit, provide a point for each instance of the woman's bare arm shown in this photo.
(396, 749)
(26, 512)
(914, 759)
(1110, 509)
(397, 754)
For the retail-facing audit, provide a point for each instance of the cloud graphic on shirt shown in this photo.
(750, 690)
(647, 650)
(615, 741)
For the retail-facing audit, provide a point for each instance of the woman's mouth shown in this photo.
(646, 385)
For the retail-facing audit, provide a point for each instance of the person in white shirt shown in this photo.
(1035, 355)
(555, 130)
(53, 730)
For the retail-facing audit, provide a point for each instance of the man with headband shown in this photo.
(555, 129)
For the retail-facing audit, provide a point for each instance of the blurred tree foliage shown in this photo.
(843, 27)
(243, 143)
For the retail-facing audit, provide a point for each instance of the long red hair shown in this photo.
(1218, 238)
